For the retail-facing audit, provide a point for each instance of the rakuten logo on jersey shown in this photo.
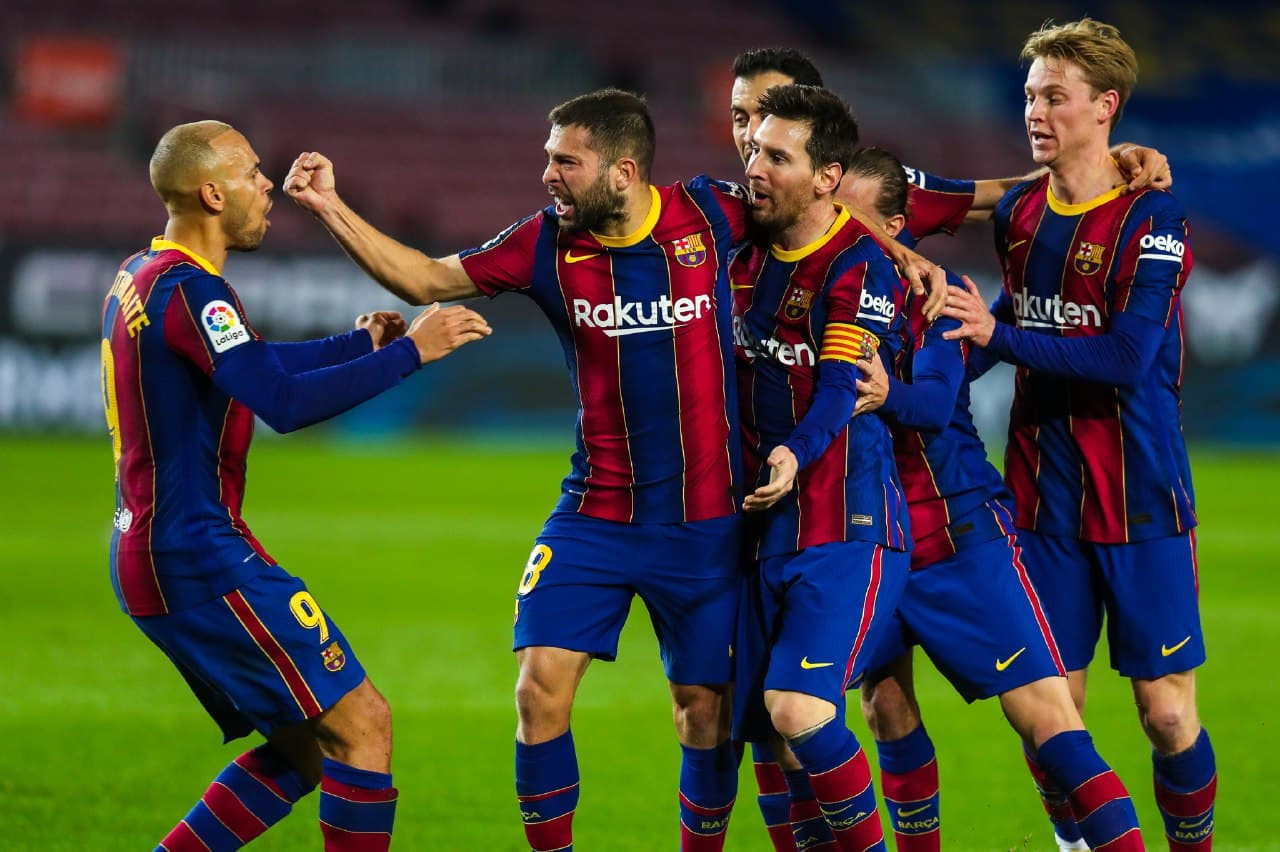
(1039, 312)
(875, 308)
(787, 354)
(1163, 247)
(617, 318)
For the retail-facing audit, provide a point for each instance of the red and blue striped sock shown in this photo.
(809, 829)
(357, 808)
(547, 787)
(708, 787)
(1054, 799)
(1186, 785)
(841, 779)
(1100, 802)
(253, 793)
(909, 782)
(774, 800)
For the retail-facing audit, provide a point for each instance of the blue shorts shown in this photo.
(576, 590)
(978, 618)
(809, 621)
(1149, 590)
(261, 657)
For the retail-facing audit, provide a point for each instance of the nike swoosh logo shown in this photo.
(805, 664)
(1166, 651)
(1013, 246)
(733, 285)
(914, 811)
(1197, 823)
(1001, 665)
(570, 257)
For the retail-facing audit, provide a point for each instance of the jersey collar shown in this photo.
(159, 244)
(645, 229)
(1062, 208)
(792, 255)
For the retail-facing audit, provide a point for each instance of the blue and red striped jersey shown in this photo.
(955, 495)
(180, 443)
(795, 311)
(934, 204)
(646, 325)
(1098, 462)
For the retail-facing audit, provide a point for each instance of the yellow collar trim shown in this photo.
(645, 229)
(1064, 209)
(159, 244)
(792, 255)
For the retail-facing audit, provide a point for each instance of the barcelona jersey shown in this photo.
(180, 443)
(833, 300)
(955, 496)
(645, 323)
(1088, 460)
(934, 204)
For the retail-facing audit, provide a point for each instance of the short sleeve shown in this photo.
(505, 262)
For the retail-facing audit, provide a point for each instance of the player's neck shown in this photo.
(640, 202)
(206, 241)
(815, 221)
(1081, 178)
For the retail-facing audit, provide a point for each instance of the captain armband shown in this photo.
(842, 341)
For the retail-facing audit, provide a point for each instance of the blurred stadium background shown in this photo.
(434, 114)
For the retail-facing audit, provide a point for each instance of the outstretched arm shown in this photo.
(405, 271)
(1144, 166)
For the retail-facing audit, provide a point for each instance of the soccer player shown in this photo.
(969, 602)
(633, 278)
(183, 374)
(935, 204)
(1091, 314)
(832, 535)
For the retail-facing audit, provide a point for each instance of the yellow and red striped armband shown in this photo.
(842, 341)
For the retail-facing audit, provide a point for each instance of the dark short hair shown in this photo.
(784, 60)
(618, 122)
(877, 163)
(833, 132)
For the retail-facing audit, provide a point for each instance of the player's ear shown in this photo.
(1107, 103)
(827, 179)
(211, 197)
(894, 224)
(625, 173)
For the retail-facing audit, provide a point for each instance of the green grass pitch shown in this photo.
(415, 548)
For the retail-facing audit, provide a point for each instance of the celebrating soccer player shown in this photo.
(832, 535)
(633, 278)
(1091, 314)
(183, 374)
(969, 602)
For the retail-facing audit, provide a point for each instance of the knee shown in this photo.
(1172, 726)
(544, 699)
(890, 713)
(698, 712)
(1167, 709)
(793, 713)
(357, 727)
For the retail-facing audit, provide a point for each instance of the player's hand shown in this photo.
(438, 331)
(977, 323)
(873, 387)
(383, 326)
(924, 276)
(782, 477)
(1143, 166)
(310, 182)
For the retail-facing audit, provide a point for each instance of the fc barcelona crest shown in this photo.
(690, 251)
(334, 658)
(798, 301)
(1089, 258)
